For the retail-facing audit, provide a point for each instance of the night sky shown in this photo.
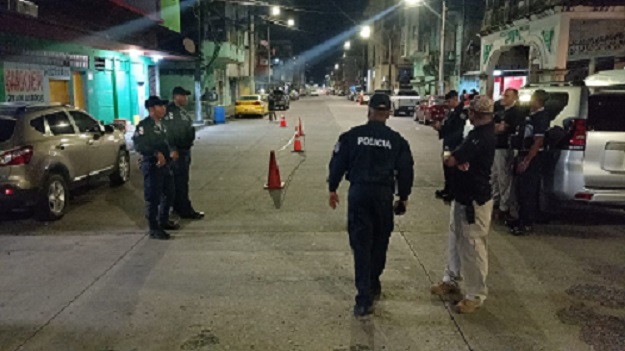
(317, 27)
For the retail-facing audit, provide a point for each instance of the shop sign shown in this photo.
(596, 38)
(30, 83)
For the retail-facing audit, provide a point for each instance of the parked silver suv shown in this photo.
(588, 165)
(48, 150)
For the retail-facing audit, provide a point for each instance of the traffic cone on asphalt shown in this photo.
(283, 121)
(297, 143)
(300, 128)
(273, 181)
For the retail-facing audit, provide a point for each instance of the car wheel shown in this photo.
(54, 198)
(121, 173)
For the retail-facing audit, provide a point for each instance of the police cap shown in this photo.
(155, 101)
(380, 102)
(181, 91)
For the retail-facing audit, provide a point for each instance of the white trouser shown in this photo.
(502, 179)
(468, 251)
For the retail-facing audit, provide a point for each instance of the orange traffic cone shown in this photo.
(301, 128)
(273, 181)
(297, 144)
(282, 121)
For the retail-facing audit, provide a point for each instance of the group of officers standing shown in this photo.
(164, 139)
(479, 170)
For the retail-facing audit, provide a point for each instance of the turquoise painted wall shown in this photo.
(112, 93)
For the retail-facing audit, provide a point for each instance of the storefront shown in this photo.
(107, 84)
(547, 46)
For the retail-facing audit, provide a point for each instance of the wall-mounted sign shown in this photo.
(31, 83)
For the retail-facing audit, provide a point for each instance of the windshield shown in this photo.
(6, 128)
(606, 113)
(249, 98)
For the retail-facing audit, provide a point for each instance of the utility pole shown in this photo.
(252, 53)
(268, 55)
(441, 59)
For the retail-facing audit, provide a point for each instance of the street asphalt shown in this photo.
(273, 270)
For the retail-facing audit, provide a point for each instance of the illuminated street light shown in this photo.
(275, 11)
(290, 22)
(347, 45)
(412, 2)
(365, 32)
(336, 66)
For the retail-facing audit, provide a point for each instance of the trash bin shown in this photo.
(220, 114)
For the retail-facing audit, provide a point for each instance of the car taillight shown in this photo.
(584, 196)
(8, 191)
(578, 135)
(257, 103)
(16, 157)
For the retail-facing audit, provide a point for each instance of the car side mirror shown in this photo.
(109, 129)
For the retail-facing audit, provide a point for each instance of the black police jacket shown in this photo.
(512, 117)
(452, 129)
(478, 150)
(150, 139)
(373, 154)
(180, 130)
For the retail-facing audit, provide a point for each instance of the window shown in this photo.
(606, 113)
(84, 122)
(556, 103)
(59, 123)
(249, 98)
(38, 125)
(6, 128)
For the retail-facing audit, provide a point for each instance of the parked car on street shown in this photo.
(588, 164)
(48, 150)
(364, 98)
(294, 95)
(405, 103)
(431, 108)
(279, 101)
(314, 92)
(251, 105)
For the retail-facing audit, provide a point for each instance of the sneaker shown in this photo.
(443, 288)
(159, 234)
(521, 230)
(362, 311)
(466, 306)
(193, 215)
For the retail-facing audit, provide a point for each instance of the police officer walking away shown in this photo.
(451, 132)
(150, 140)
(529, 143)
(375, 159)
(471, 210)
(506, 122)
(181, 135)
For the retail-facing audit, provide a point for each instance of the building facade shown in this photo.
(549, 40)
(50, 52)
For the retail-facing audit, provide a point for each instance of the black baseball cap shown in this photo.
(181, 91)
(451, 95)
(380, 102)
(155, 101)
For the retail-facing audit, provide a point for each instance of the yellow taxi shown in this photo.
(252, 105)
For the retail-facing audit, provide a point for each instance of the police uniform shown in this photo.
(451, 133)
(150, 139)
(528, 182)
(471, 212)
(181, 136)
(375, 160)
(502, 166)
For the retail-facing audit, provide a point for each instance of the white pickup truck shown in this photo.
(405, 103)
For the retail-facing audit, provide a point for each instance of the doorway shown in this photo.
(79, 90)
(59, 91)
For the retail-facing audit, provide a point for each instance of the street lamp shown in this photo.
(441, 58)
(336, 66)
(347, 45)
(365, 32)
(275, 11)
(290, 22)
